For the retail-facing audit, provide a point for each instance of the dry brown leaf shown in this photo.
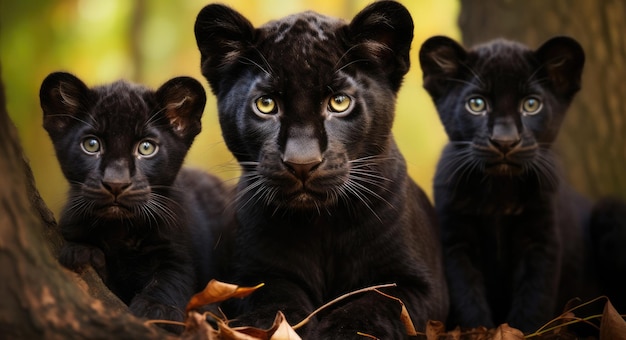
(283, 330)
(280, 330)
(434, 329)
(196, 328)
(406, 321)
(404, 315)
(199, 329)
(506, 332)
(454, 334)
(240, 333)
(613, 325)
(217, 291)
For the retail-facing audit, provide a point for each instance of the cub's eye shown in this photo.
(147, 148)
(90, 145)
(476, 106)
(339, 104)
(531, 106)
(266, 105)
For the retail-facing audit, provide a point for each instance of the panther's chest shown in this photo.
(118, 238)
(499, 200)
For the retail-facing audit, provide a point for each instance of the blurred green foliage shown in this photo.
(151, 41)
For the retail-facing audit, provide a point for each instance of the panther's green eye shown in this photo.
(90, 145)
(339, 103)
(147, 148)
(266, 105)
(476, 105)
(531, 106)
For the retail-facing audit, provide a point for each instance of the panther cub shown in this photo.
(147, 226)
(324, 204)
(512, 229)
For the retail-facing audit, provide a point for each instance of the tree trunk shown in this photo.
(38, 298)
(592, 142)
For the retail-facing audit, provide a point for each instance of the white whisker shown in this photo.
(76, 118)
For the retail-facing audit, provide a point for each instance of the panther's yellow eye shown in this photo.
(90, 145)
(339, 103)
(476, 105)
(531, 105)
(147, 148)
(266, 105)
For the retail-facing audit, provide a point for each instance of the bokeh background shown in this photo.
(151, 41)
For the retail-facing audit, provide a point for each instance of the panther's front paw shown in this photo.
(154, 310)
(77, 256)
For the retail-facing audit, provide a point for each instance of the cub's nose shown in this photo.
(505, 144)
(302, 170)
(302, 155)
(505, 134)
(116, 188)
(116, 177)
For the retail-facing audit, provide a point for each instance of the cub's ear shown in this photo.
(441, 58)
(563, 59)
(384, 32)
(63, 98)
(222, 35)
(182, 100)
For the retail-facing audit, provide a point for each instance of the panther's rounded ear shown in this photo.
(440, 59)
(222, 35)
(182, 100)
(563, 59)
(384, 31)
(63, 98)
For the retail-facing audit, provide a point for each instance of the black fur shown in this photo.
(513, 232)
(608, 233)
(324, 204)
(134, 217)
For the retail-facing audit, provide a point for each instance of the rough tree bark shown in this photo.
(592, 142)
(38, 298)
